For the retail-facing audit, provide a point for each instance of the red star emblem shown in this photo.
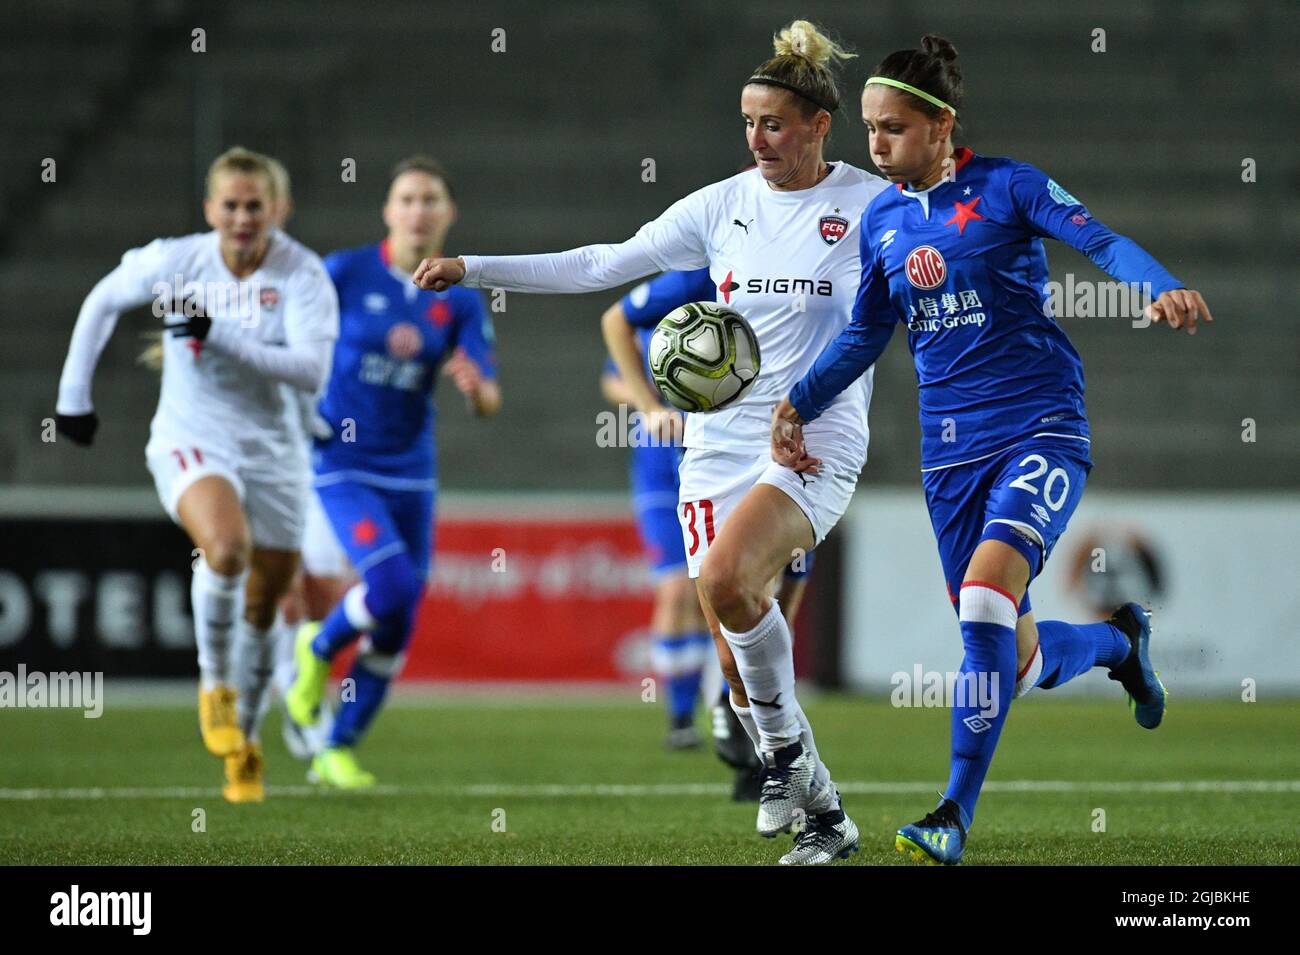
(964, 212)
(364, 532)
(439, 313)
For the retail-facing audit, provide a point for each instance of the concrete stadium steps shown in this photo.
(545, 143)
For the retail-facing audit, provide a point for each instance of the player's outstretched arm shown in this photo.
(438, 275)
(591, 268)
(1179, 307)
(126, 287)
(674, 241)
(621, 341)
(1051, 211)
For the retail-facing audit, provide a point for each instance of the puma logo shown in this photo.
(743, 225)
(771, 704)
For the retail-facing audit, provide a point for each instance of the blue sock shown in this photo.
(336, 632)
(386, 602)
(1070, 649)
(358, 708)
(680, 659)
(988, 632)
(389, 594)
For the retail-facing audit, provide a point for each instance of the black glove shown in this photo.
(79, 428)
(194, 326)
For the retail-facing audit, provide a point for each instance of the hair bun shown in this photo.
(939, 46)
(802, 38)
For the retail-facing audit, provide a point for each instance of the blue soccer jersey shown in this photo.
(650, 301)
(653, 469)
(962, 264)
(393, 338)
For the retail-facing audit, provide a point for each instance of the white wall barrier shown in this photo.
(1221, 573)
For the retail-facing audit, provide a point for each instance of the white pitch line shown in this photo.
(633, 790)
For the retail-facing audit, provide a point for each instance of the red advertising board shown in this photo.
(525, 598)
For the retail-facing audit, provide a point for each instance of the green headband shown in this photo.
(898, 84)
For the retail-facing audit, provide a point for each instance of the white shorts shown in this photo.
(714, 482)
(273, 496)
(322, 554)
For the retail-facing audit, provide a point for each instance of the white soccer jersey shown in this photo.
(788, 262)
(206, 391)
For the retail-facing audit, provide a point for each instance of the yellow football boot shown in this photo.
(244, 775)
(218, 723)
(302, 700)
(337, 766)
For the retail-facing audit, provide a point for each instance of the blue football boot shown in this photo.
(1146, 694)
(938, 839)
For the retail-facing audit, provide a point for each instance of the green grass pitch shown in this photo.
(587, 781)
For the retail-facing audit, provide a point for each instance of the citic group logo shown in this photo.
(925, 267)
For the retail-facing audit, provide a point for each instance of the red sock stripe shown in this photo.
(1021, 675)
(994, 587)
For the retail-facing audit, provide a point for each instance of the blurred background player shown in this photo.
(322, 574)
(681, 645)
(627, 326)
(255, 311)
(743, 515)
(1004, 431)
(376, 472)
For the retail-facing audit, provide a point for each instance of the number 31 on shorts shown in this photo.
(697, 525)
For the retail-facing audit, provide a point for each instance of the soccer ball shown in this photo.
(703, 357)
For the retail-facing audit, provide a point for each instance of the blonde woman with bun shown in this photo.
(781, 245)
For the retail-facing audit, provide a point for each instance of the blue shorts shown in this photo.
(654, 499)
(1023, 496)
(374, 523)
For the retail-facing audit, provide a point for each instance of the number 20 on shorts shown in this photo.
(1058, 476)
(697, 519)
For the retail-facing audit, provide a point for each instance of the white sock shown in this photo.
(254, 659)
(824, 794)
(283, 634)
(746, 718)
(218, 602)
(765, 659)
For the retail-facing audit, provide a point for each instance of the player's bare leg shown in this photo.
(751, 548)
(211, 513)
(321, 594)
(1029, 662)
(790, 596)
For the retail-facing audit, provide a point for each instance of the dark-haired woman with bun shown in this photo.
(956, 253)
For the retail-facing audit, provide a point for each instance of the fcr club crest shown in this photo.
(833, 228)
